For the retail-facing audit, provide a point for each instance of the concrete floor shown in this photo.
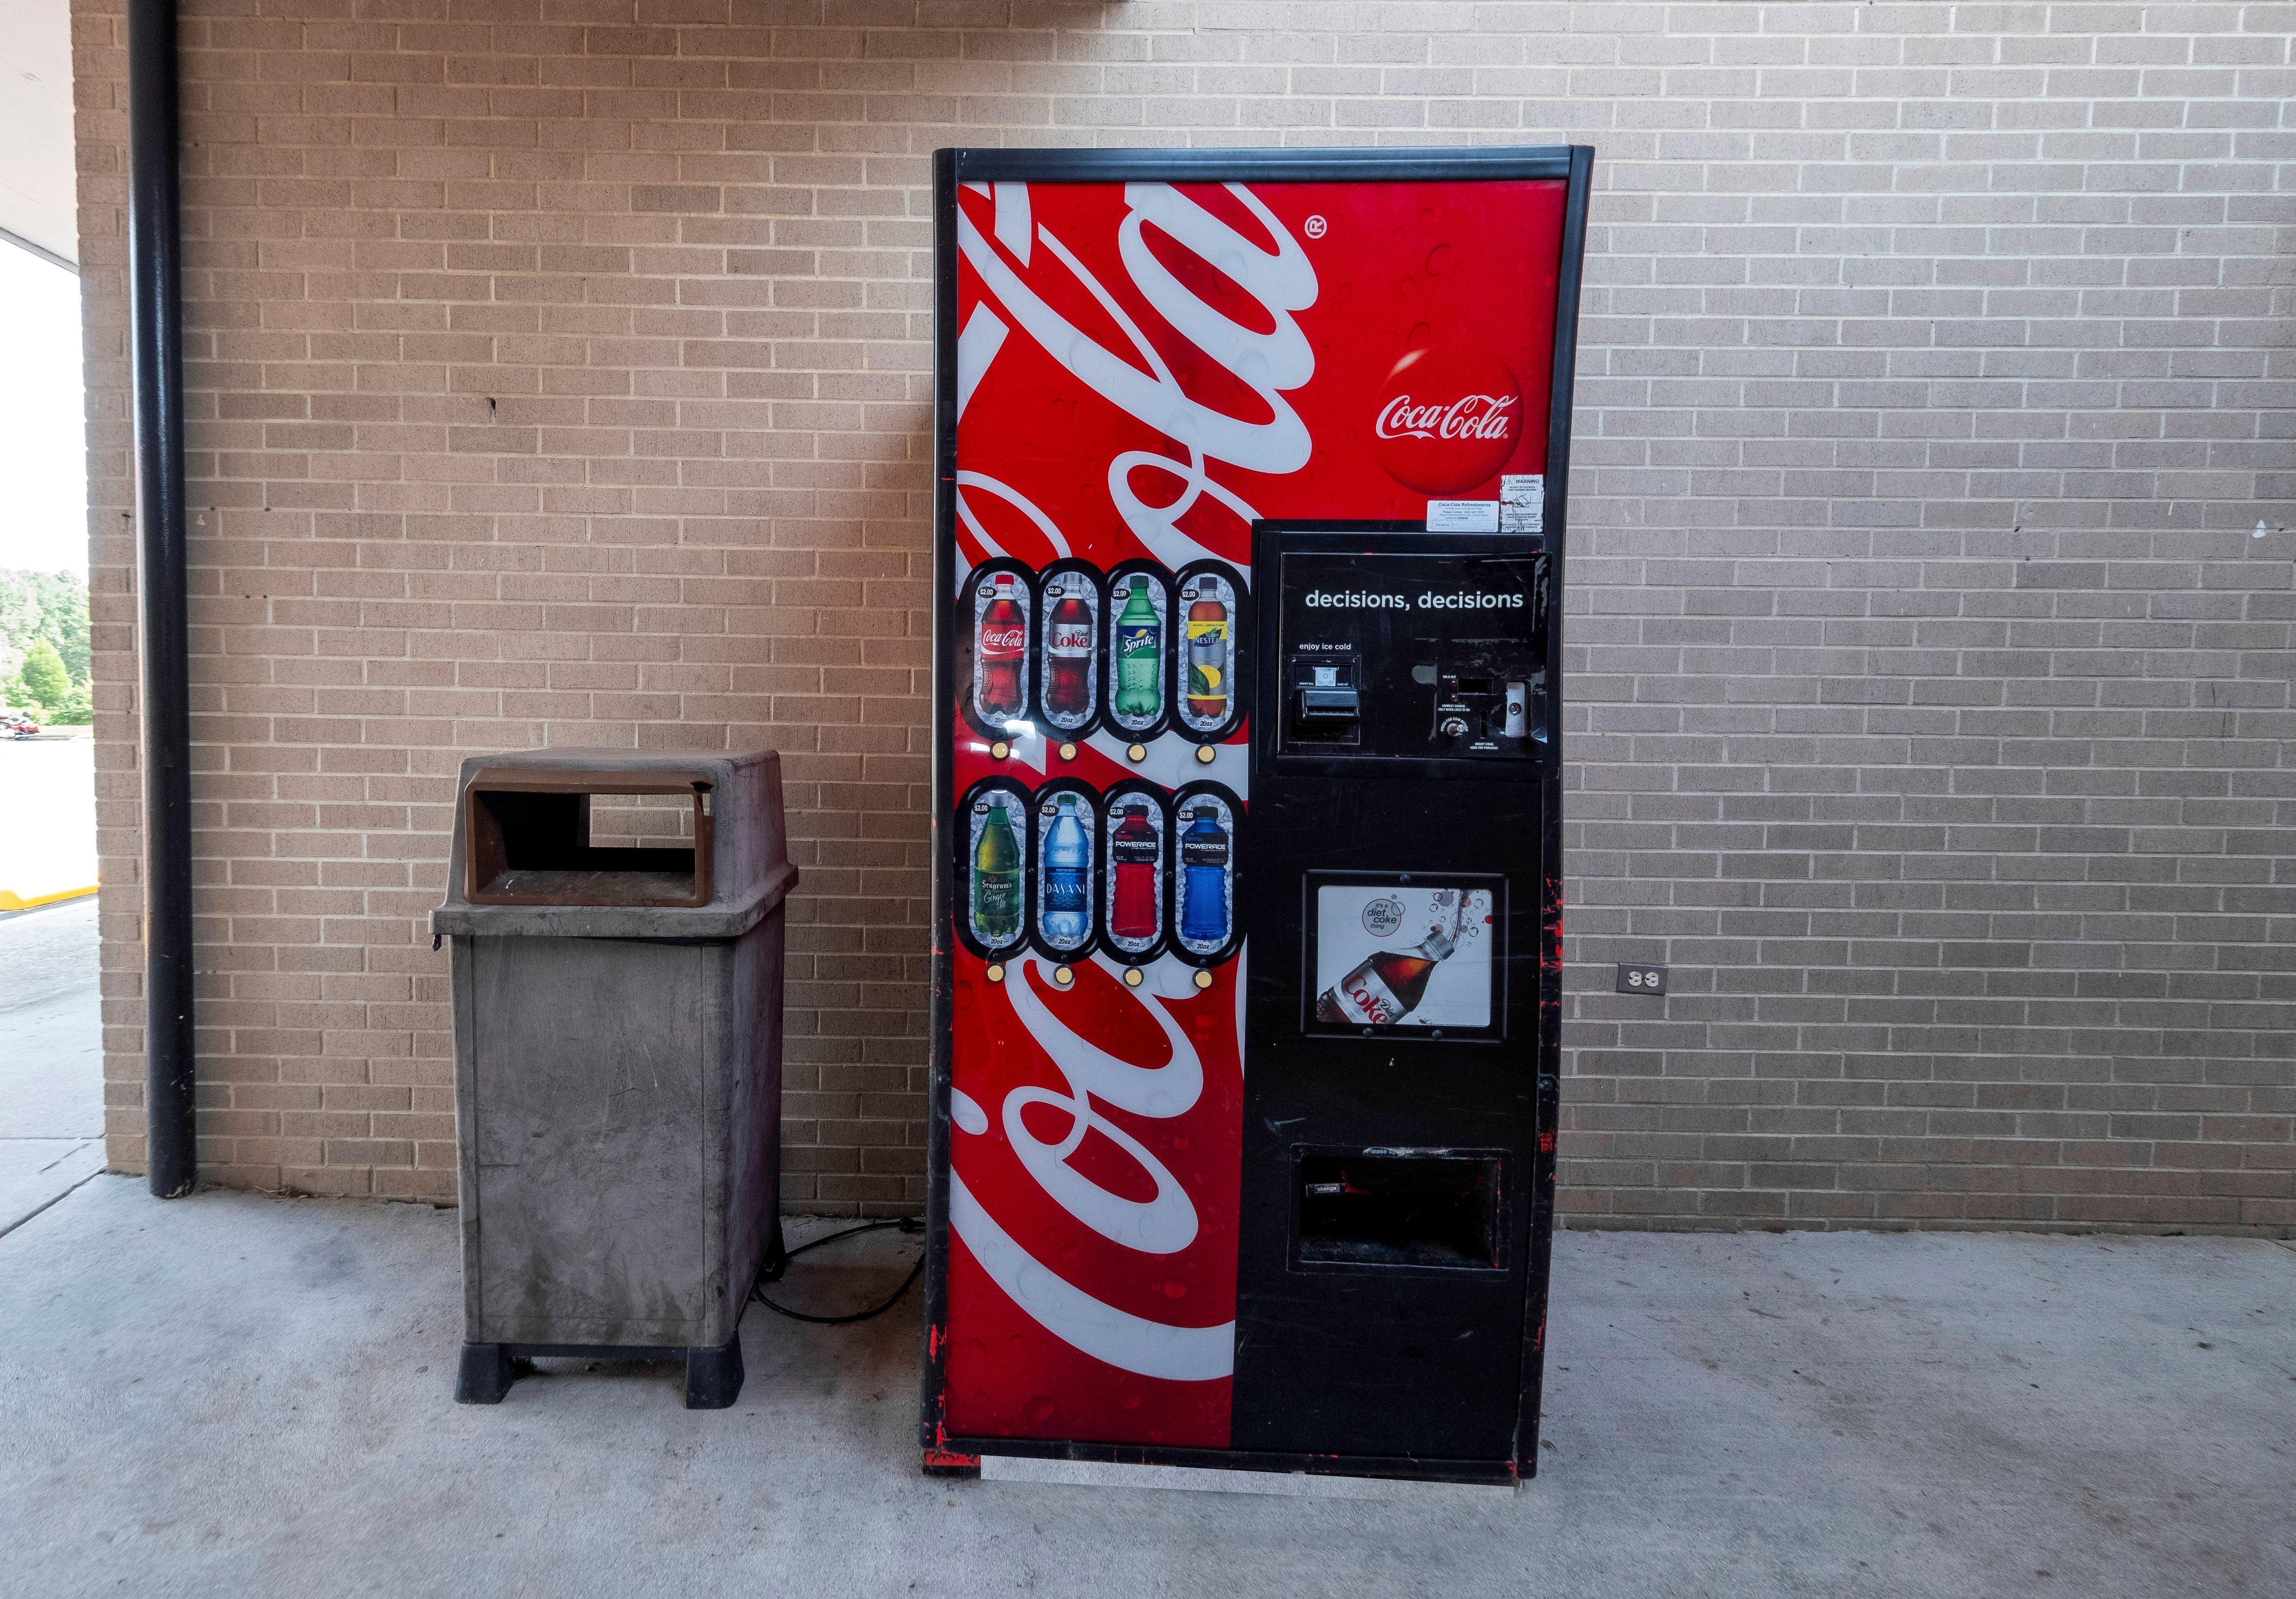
(51, 1056)
(236, 1395)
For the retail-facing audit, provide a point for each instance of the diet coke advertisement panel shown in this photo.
(1140, 371)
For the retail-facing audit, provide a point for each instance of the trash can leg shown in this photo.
(486, 1374)
(713, 1377)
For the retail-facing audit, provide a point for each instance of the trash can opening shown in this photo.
(532, 839)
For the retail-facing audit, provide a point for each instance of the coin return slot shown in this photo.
(1403, 1208)
(534, 839)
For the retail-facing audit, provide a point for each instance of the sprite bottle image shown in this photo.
(1139, 656)
(996, 877)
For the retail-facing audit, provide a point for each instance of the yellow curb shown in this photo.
(11, 901)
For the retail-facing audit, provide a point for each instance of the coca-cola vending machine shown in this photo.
(1247, 804)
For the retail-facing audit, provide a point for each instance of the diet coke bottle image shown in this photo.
(1139, 647)
(1208, 653)
(1001, 644)
(1068, 653)
(1066, 918)
(1134, 851)
(1203, 879)
(1388, 985)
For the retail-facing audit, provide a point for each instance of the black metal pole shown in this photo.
(156, 364)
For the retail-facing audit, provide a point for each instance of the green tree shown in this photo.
(50, 605)
(44, 675)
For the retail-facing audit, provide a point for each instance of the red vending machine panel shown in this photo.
(1145, 359)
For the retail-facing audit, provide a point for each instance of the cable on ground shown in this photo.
(777, 1262)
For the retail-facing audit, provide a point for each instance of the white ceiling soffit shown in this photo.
(36, 200)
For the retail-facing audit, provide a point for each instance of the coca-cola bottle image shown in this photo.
(1208, 624)
(1068, 878)
(1203, 867)
(1003, 643)
(996, 877)
(1139, 656)
(1388, 985)
(1131, 851)
(1068, 652)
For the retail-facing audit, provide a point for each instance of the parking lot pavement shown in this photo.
(51, 1056)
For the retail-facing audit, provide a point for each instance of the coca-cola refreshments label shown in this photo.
(1141, 371)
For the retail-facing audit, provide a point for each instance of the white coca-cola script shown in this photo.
(1017, 260)
(1161, 1225)
(1470, 416)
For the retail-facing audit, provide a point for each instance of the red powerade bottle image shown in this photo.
(1132, 848)
(1003, 644)
(1068, 655)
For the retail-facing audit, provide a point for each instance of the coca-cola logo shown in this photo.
(1269, 354)
(1446, 419)
(1003, 641)
(1470, 416)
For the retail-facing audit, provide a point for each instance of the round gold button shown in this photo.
(996, 972)
(1068, 752)
(1136, 754)
(1205, 754)
(1063, 976)
(1204, 979)
(1132, 977)
(1000, 750)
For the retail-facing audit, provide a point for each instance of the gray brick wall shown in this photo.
(1932, 710)
(559, 372)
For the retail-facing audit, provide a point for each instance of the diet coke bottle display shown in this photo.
(1000, 652)
(1065, 876)
(1388, 985)
(1136, 645)
(1069, 650)
(1135, 855)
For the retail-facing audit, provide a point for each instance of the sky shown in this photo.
(43, 441)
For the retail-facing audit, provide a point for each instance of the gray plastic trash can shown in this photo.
(617, 920)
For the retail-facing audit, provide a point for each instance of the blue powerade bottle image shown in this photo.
(1068, 878)
(1204, 863)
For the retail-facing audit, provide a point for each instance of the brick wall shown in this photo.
(559, 373)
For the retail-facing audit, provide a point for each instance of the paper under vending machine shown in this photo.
(1247, 917)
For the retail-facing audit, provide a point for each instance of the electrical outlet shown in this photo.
(1641, 980)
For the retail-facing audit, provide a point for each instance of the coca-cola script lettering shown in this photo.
(1472, 417)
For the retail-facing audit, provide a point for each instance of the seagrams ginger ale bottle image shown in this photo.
(996, 876)
(1208, 636)
(1387, 987)
(1068, 652)
(1139, 656)
(1001, 643)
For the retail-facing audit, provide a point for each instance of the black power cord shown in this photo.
(777, 1262)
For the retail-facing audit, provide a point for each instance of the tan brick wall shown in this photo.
(559, 373)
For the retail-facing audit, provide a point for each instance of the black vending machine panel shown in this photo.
(1402, 836)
